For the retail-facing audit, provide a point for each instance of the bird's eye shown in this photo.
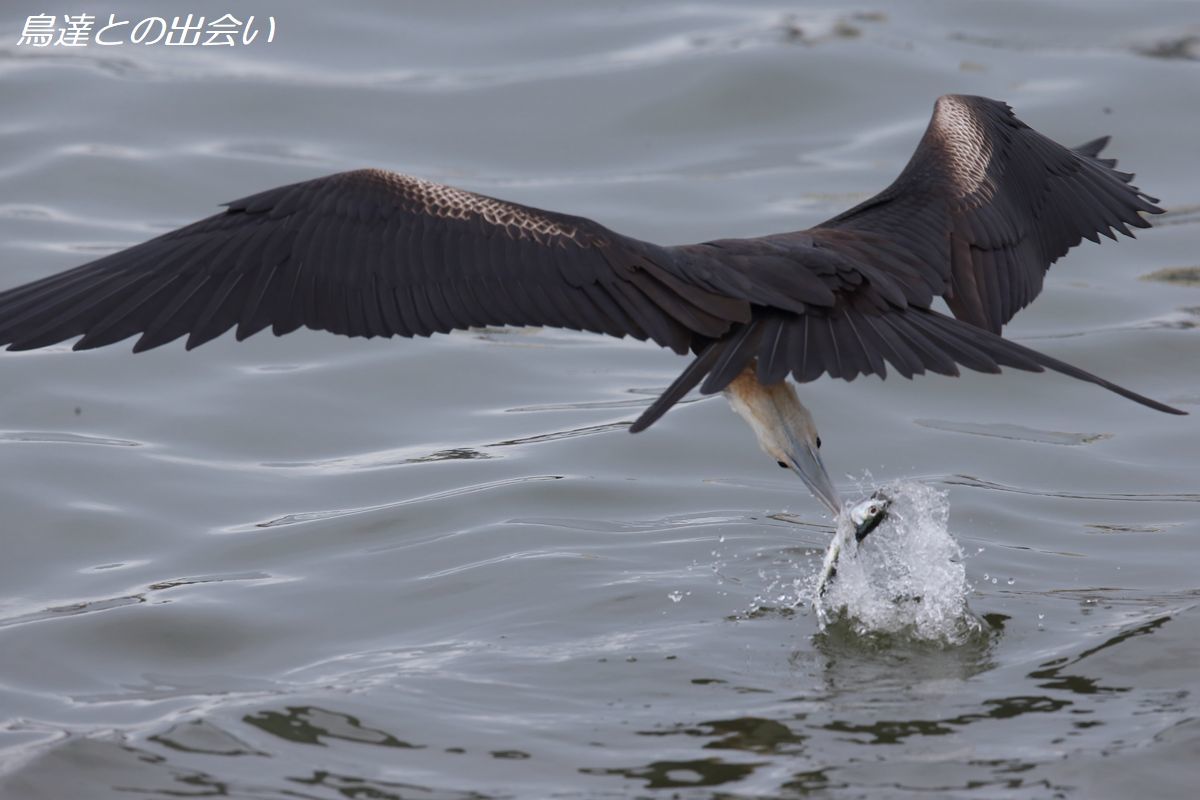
(780, 463)
(818, 442)
(873, 510)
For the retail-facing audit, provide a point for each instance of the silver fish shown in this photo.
(864, 518)
(867, 515)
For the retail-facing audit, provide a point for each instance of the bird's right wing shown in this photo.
(987, 204)
(982, 209)
(370, 253)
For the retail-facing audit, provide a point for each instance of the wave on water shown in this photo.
(905, 578)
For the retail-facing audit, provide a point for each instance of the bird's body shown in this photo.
(983, 208)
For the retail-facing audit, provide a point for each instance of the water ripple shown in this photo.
(571, 433)
(488, 562)
(1137, 497)
(380, 459)
(1178, 276)
(133, 598)
(315, 516)
(1021, 433)
(738, 30)
(395, 457)
(57, 437)
(1178, 215)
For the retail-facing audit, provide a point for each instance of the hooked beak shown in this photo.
(805, 461)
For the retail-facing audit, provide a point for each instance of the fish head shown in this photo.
(867, 515)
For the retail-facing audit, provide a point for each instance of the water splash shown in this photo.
(906, 577)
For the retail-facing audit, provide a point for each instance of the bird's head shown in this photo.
(785, 431)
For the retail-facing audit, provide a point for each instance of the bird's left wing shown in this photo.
(370, 253)
(987, 204)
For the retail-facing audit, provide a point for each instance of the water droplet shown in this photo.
(1011, 581)
(675, 597)
(912, 555)
(721, 538)
(1041, 616)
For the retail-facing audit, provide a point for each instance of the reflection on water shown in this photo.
(311, 725)
(354, 787)
(1185, 47)
(895, 731)
(1181, 276)
(201, 736)
(851, 658)
(682, 774)
(752, 734)
(1054, 671)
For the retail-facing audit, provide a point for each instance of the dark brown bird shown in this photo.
(983, 208)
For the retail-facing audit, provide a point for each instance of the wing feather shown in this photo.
(371, 253)
(922, 339)
(983, 208)
(773, 363)
(1013, 200)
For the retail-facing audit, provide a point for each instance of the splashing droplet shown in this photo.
(906, 577)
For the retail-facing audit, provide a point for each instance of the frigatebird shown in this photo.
(985, 205)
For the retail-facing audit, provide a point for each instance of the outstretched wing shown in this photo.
(982, 209)
(369, 253)
(988, 204)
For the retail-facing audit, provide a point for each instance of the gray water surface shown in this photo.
(312, 567)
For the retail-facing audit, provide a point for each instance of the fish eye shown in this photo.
(818, 442)
(780, 463)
